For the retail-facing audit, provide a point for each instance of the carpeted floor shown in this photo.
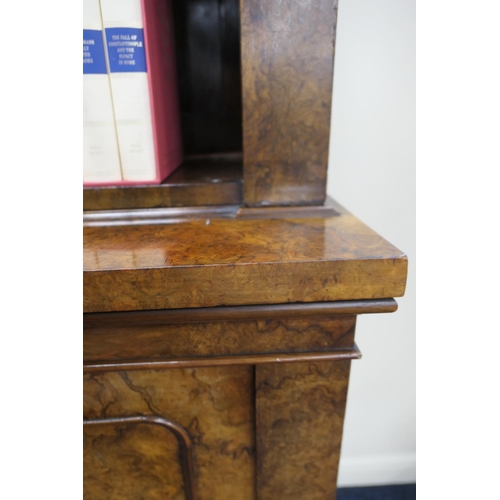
(393, 492)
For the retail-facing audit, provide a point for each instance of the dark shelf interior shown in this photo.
(207, 37)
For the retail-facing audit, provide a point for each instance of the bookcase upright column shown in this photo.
(287, 56)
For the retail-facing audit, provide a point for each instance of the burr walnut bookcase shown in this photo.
(220, 306)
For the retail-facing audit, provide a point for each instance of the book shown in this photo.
(141, 57)
(101, 161)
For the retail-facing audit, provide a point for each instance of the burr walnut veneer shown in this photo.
(217, 351)
(220, 307)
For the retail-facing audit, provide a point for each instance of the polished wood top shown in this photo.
(239, 261)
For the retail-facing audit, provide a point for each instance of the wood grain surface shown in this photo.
(215, 406)
(300, 413)
(287, 54)
(221, 262)
(126, 461)
(218, 338)
(208, 180)
(183, 457)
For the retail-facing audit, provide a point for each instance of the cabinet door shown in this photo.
(270, 431)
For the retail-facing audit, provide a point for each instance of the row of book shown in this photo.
(131, 118)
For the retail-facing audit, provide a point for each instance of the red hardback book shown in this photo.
(140, 49)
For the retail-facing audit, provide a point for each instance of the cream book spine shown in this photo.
(124, 33)
(101, 160)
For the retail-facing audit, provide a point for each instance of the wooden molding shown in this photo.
(254, 359)
(238, 313)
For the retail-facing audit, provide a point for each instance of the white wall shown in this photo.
(372, 173)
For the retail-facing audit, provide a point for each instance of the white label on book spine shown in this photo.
(130, 87)
(101, 160)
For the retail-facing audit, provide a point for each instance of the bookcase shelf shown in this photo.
(203, 180)
(254, 78)
(207, 45)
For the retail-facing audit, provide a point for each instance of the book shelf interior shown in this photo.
(207, 37)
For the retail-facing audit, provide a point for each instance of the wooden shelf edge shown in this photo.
(218, 258)
(201, 180)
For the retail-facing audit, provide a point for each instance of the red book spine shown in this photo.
(165, 111)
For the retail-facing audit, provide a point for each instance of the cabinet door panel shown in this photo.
(131, 461)
(214, 405)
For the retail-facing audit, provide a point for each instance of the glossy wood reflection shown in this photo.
(300, 414)
(287, 66)
(213, 262)
(215, 406)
